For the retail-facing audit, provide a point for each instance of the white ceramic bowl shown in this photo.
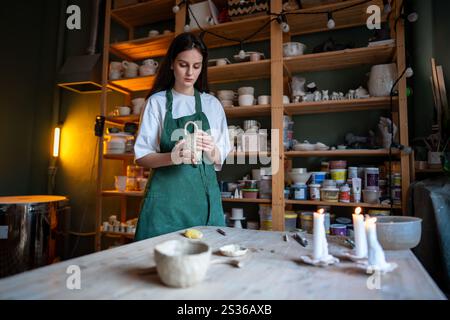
(299, 177)
(246, 90)
(399, 232)
(225, 94)
(371, 196)
(246, 100)
(292, 49)
(182, 263)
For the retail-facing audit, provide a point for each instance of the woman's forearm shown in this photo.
(155, 160)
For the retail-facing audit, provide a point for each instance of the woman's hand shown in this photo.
(205, 143)
(180, 154)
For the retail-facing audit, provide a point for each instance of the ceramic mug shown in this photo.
(138, 104)
(115, 75)
(124, 111)
(255, 56)
(131, 69)
(221, 62)
(120, 182)
(153, 33)
(191, 140)
(246, 100)
(263, 99)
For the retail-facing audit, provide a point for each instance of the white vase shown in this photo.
(381, 80)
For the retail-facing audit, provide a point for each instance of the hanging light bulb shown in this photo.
(284, 25)
(409, 72)
(187, 28)
(187, 19)
(413, 17)
(175, 9)
(330, 24)
(242, 54)
(387, 6)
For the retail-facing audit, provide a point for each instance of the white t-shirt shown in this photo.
(152, 121)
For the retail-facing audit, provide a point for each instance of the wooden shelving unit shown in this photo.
(121, 120)
(243, 112)
(231, 200)
(373, 103)
(116, 193)
(124, 156)
(341, 204)
(341, 153)
(276, 69)
(343, 59)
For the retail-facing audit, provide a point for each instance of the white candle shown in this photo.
(375, 252)
(320, 245)
(317, 236)
(360, 234)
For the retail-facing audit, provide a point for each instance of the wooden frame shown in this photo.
(278, 69)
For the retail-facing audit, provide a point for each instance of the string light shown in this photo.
(413, 17)
(330, 24)
(241, 52)
(409, 72)
(175, 9)
(283, 23)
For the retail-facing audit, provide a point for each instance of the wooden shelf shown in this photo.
(441, 170)
(351, 17)
(121, 120)
(239, 71)
(124, 156)
(246, 200)
(341, 153)
(143, 13)
(243, 112)
(134, 84)
(373, 103)
(118, 234)
(115, 193)
(143, 48)
(341, 59)
(340, 204)
(248, 154)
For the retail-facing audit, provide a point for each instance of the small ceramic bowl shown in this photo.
(399, 232)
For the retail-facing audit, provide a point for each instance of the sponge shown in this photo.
(193, 234)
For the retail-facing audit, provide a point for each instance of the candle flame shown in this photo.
(358, 210)
(321, 211)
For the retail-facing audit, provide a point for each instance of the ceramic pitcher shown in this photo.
(191, 140)
(130, 68)
(381, 80)
(148, 68)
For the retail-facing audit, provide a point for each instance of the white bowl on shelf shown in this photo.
(299, 177)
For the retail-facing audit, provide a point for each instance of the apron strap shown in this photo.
(169, 98)
(198, 101)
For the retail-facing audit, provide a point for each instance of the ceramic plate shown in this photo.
(247, 56)
(304, 147)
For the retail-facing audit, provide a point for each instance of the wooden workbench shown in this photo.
(272, 271)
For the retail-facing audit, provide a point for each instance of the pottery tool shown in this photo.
(300, 239)
(350, 242)
(221, 232)
(286, 238)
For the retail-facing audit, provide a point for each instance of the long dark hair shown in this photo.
(165, 78)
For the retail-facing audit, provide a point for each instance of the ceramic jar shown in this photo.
(148, 68)
(130, 69)
(381, 80)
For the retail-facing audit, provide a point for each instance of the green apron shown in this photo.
(180, 196)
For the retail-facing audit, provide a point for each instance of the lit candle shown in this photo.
(376, 258)
(360, 234)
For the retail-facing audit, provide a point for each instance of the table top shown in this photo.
(272, 271)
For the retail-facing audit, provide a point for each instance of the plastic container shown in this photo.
(314, 192)
(352, 172)
(371, 196)
(338, 229)
(265, 187)
(265, 217)
(339, 175)
(298, 191)
(290, 221)
(287, 192)
(306, 219)
(344, 194)
(250, 193)
(328, 183)
(329, 194)
(338, 164)
(318, 177)
(371, 178)
(396, 195)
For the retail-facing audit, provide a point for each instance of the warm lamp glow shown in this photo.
(56, 141)
(358, 210)
(321, 211)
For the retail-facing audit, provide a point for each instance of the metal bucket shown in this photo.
(32, 232)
